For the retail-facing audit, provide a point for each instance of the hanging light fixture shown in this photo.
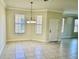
(31, 9)
(31, 19)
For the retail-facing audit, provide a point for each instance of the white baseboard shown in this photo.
(15, 40)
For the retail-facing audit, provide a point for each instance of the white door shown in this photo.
(53, 30)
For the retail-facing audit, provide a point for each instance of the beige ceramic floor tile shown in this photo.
(66, 49)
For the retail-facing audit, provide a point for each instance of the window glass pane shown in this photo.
(22, 27)
(19, 23)
(76, 25)
(38, 29)
(39, 24)
(19, 20)
(22, 20)
(39, 20)
(16, 29)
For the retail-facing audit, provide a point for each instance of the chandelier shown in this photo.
(31, 18)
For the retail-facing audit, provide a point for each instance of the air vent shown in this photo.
(45, 0)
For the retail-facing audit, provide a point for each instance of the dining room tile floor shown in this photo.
(66, 49)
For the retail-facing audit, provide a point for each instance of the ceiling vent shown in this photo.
(45, 0)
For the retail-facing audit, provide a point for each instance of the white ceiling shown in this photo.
(58, 5)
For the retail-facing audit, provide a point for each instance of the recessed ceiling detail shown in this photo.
(59, 5)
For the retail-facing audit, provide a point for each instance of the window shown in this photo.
(62, 30)
(39, 25)
(76, 25)
(19, 23)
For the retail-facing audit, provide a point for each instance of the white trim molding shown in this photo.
(23, 9)
(55, 11)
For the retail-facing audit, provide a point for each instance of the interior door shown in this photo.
(53, 30)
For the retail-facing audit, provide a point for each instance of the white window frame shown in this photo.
(38, 25)
(19, 25)
(76, 25)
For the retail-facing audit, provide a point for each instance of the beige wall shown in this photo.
(30, 28)
(2, 26)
